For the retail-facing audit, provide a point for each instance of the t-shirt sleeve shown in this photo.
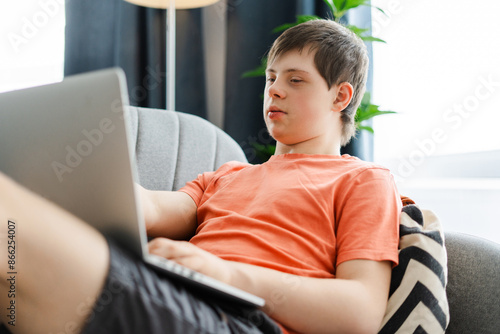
(197, 187)
(368, 218)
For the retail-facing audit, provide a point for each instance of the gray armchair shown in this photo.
(173, 148)
(473, 284)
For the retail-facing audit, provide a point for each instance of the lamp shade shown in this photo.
(179, 4)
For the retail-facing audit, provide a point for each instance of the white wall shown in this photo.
(449, 186)
(31, 43)
(440, 70)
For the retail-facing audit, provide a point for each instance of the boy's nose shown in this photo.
(276, 92)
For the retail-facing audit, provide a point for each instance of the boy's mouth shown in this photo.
(274, 112)
(273, 109)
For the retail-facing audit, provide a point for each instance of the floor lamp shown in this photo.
(170, 43)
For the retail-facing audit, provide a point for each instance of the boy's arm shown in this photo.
(353, 302)
(169, 214)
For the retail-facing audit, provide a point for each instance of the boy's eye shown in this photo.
(270, 79)
(295, 80)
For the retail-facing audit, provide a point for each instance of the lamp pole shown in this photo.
(170, 57)
(170, 6)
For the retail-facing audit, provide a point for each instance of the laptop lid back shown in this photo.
(68, 142)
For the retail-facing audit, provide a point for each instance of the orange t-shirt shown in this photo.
(299, 214)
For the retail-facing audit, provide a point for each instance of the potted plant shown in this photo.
(366, 110)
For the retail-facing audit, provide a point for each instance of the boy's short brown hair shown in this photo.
(341, 56)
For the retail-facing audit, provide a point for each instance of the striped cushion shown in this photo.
(417, 298)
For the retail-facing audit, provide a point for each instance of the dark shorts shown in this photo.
(136, 299)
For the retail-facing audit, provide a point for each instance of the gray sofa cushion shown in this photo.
(473, 284)
(172, 148)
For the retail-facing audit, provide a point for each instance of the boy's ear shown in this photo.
(344, 92)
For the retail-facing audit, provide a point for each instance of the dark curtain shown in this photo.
(106, 33)
(249, 37)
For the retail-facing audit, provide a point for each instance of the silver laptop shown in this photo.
(69, 142)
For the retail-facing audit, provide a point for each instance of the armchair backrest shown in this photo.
(473, 284)
(172, 148)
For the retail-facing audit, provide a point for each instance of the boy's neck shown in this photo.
(304, 148)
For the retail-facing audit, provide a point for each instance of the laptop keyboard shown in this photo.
(175, 267)
(196, 277)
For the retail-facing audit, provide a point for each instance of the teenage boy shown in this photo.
(312, 232)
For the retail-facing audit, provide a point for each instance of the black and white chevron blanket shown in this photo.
(417, 298)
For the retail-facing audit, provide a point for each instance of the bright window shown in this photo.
(440, 70)
(32, 43)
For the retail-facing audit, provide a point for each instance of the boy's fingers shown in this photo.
(191, 257)
(170, 249)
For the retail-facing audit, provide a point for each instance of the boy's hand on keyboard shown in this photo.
(192, 257)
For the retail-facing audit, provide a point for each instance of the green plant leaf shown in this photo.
(342, 6)
(349, 4)
(370, 111)
(338, 4)
(374, 113)
(305, 18)
(259, 71)
(367, 110)
(264, 152)
(372, 39)
(366, 99)
(357, 30)
(360, 31)
(283, 27)
(300, 19)
(331, 5)
(379, 9)
(365, 127)
(337, 9)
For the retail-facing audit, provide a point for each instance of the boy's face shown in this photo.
(298, 106)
